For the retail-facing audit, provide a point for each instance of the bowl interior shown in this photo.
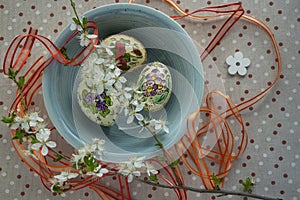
(165, 41)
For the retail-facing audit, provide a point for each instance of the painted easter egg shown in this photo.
(128, 51)
(100, 108)
(155, 86)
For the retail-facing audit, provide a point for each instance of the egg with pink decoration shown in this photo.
(155, 86)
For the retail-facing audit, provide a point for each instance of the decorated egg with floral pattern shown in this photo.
(155, 86)
(128, 51)
(100, 108)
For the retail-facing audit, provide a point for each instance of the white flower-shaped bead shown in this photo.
(237, 64)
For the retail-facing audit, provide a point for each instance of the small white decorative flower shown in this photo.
(42, 136)
(85, 39)
(28, 121)
(64, 176)
(98, 147)
(159, 125)
(98, 171)
(106, 48)
(132, 167)
(74, 26)
(134, 113)
(237, 64)
(150, 169)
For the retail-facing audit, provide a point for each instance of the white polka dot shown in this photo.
(195, 32)
(255, 113)
(257, 65)
(262, 57)
(296, 123)
(203, 40)
(292, 26)
(289, 148)
(256, 146)
(287, 1)
(68, 13)
(134, 193)
(297, 74)
(256, 33)
(223, 49)
(293, 164)
(267, 105)
(260, 163)
(6, 12)
(12, 149)
(266, 189)
(286, 82)
(293, 58)
(231, 89)
(257, 180)
(18, 4)
(266, 74)
(7, 157)
(254, 81)
(49, 5)
(290, 98)
(138, 185)
(287, 114)
(37, 12)
(298, 190)
(9, 28)
(63, 194)
(289, 66)
(265, 41)
(166, 194)
(290, 181)
(229, 196)
(292, 131)
(268, 139)
(234, 187)
(6, 191)
(237, 171)
(253, 49)
(295, 198)
(194, 178)
(296, 10)
(265, 155)
(45, 21)
(11, 183)
(198, 195)
(264, 10)
(234, 41)
(297, 156)
(4, 141)
(14, 20)
(259, 130)
(270, 172)
(284, 17)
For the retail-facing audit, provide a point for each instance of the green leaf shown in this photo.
(75, 20)
(176, 162)
(217, 181)
(58, 157)
(153, 178)
(63, 50)
(108, 101)
(72, 3)
(248, 184)
(56, 189)
(84, 22)
(7, 120)
(126, 56)
(21, 82)
(19, 135)
(11, 73)
(104, 113)
(161, 158)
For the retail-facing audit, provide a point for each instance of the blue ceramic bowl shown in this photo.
(165, 41)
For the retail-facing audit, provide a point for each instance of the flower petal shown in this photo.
(36, 146)
(245, 62)
(44, 150)
(130, 119)
(238, 55)
(230, 60)
(51, 144)
(232, 70)
(139, 117)
(242, 71)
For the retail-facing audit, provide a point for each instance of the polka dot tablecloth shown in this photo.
(272, 157)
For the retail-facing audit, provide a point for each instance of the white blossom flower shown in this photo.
(98, 148)
(132, 167)
(42, 136)
(64, 176)
(85, 39)
(106, 47)
(98, 171)
(150, 169)
(134, 113)
(28, 121)
(74, 26)
(237, 64)
(159, 125)
(115, 79)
